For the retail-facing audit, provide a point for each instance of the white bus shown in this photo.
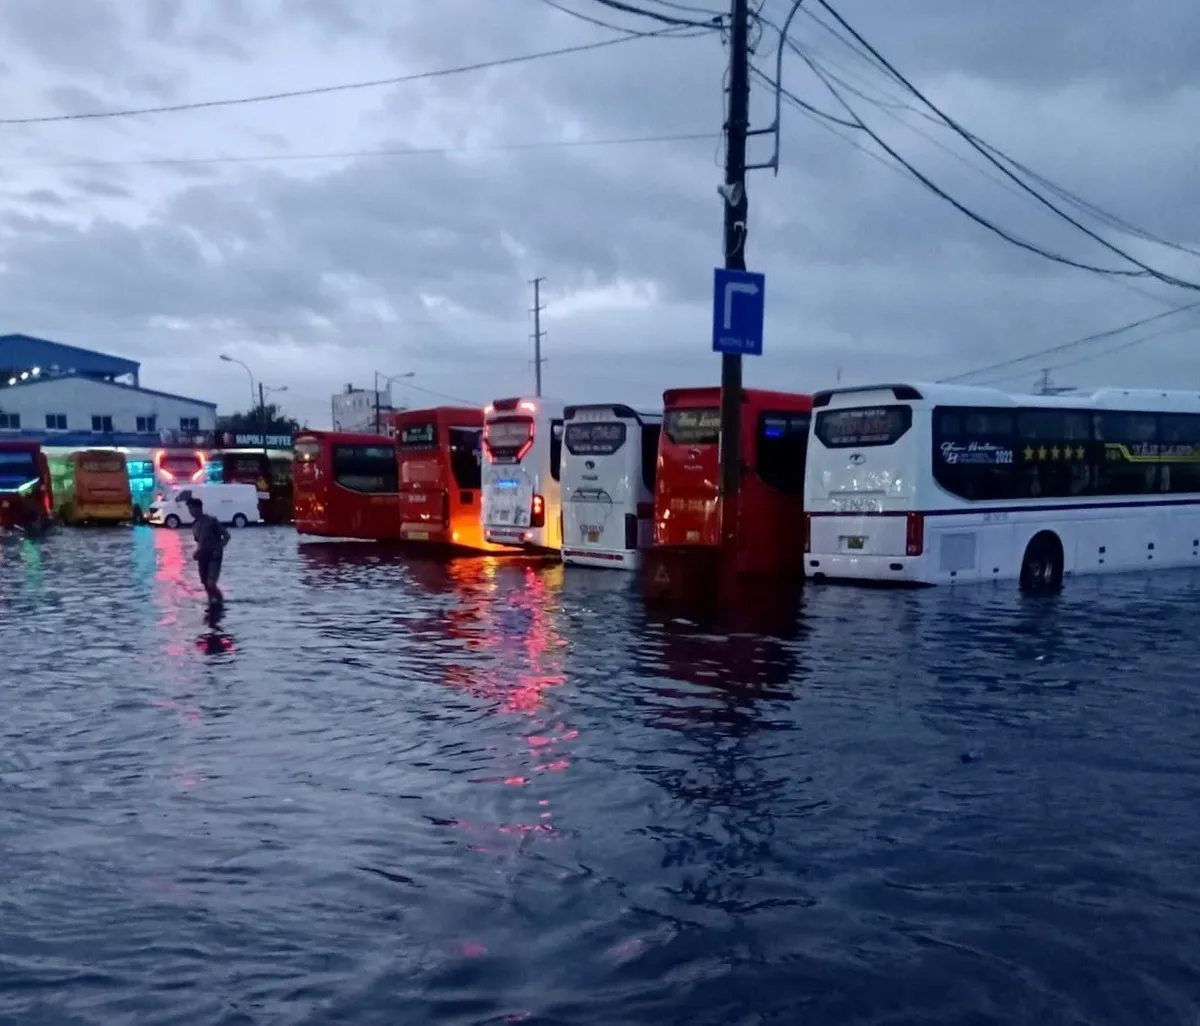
(937, 484)
(522, 498)
(608, 469)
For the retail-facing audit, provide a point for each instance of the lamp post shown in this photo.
(387, 381)
(261, 398)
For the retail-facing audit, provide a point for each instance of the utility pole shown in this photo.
(378, 420)
(734, 192)
(537, 334)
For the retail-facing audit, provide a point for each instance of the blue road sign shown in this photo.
(738, 305)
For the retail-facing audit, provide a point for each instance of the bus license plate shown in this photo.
(418, 535)
(855, 542)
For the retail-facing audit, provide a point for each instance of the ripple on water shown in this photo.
(381, 790)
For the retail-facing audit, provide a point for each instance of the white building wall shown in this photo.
(355, 411)
(81, 399)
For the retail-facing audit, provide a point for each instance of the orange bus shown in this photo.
(346, 486)
(26, 497)
(102, 492)
(770, 538)
(440, 453)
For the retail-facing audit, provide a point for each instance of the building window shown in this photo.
(102, 424)
(147, 425)
(56, 422)
(10, 422)
(189, 423)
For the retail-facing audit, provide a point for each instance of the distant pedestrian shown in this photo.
(211, 539)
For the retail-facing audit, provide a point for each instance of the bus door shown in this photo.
(771, 508)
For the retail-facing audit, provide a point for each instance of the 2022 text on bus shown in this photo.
(774, 438)
(26, 499)
(932, 484)
(441, 476)
(102, 493)
(609, 460)
(346, 486)
(522, 496)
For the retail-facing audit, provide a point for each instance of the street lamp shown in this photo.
(387, 381)
(261, 397)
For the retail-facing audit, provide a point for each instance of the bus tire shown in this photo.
(239, 520)
(172, 522)
(1042, 567)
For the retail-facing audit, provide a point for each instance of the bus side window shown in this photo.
(1053, 453)
(556, 440)
(650, 433)
(465, 443)
(1126, 454)
(1179, 452)
(781, 447)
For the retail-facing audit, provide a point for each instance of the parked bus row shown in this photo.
(42, 484)
(596, 484)
(906, 483)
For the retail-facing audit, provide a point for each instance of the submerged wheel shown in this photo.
(239, 520)
(172, 522)
(1042, 567)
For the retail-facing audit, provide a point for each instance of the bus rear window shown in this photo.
(418, 436)
(307, 450)
(595, 438)
(506, 439)
(693, 426)
(863, 426)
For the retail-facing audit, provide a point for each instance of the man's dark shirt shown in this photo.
(209, 534)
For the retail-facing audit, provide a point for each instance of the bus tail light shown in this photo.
(914, 535)
(537, 514)
(806, 540)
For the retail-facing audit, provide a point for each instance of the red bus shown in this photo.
(770, 538)
(346, 486)
(270, 473)
(440, 453)
(26, 499)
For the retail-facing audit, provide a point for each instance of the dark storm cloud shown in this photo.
(867, 271)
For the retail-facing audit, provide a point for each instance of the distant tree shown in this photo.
(251, 423)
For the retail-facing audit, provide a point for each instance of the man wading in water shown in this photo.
(211, 539)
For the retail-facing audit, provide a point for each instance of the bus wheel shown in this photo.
(172, 522)
(1042, 568)
(240, 520)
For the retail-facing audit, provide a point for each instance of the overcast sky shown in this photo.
(319, 271)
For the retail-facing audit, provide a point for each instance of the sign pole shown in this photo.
(734, 193)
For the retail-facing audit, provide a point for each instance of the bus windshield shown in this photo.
(307, 450)
(418, 436)
(697, 426)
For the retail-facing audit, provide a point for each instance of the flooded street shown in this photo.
(384, 791)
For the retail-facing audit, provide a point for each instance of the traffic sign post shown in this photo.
(738, 312)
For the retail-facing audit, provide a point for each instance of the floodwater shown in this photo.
(381, 791)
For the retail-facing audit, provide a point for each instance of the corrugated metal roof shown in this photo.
(33, 382)
(24, 351)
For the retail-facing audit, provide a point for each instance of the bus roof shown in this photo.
(467, 416)
(617, 409)
(15, 445)
(709, 394)
(935, 393)
(527, 404)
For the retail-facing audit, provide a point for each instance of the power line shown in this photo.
(666, 19)
(1062, 347)
(339, 87)
(1151, 271)
(615, 28)
(268, 158)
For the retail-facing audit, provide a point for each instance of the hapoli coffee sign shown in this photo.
(231, 440)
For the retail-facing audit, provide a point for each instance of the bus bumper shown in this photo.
(623, 559)
(840, 566)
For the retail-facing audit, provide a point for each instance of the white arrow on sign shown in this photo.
(732, 288)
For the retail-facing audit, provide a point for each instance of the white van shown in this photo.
(608, 470)
(233, 504)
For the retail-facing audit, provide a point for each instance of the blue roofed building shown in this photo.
(67, 396)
